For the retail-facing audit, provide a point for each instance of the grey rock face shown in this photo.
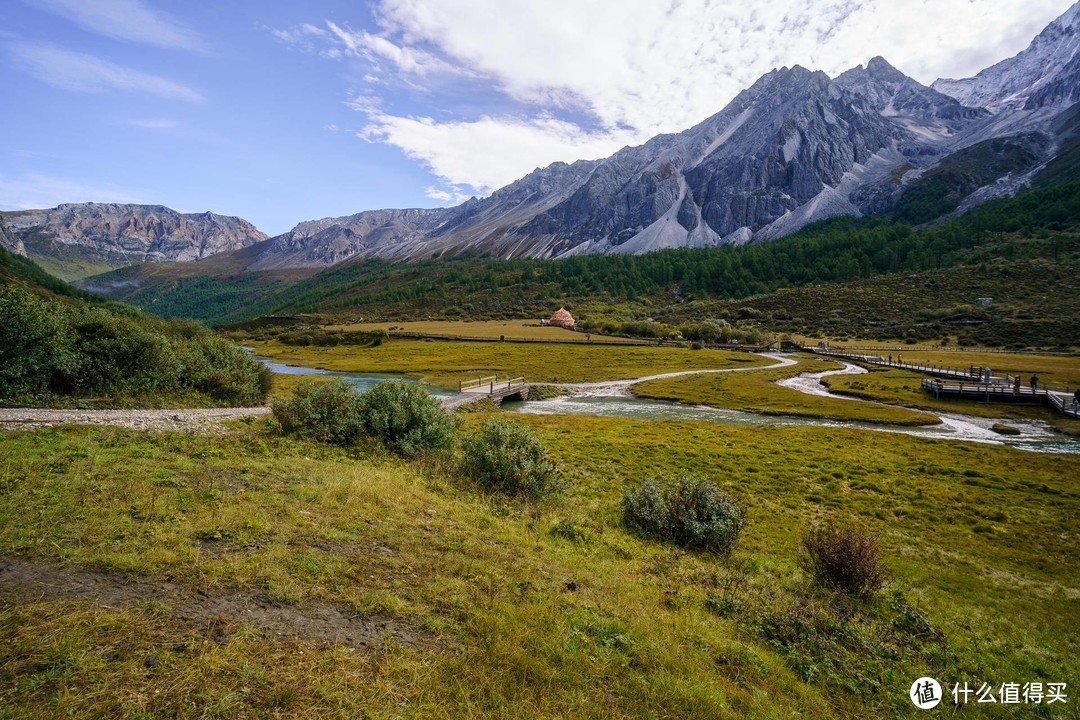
(8, 241)
(1046, 73)
(795, 139)
(140, 233)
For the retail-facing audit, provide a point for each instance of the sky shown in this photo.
(280, 112)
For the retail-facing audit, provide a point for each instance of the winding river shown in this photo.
(614, 399)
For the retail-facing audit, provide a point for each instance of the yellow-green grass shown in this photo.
(903, 387)
(72, 269)
(758, 392)
(984, 540)
(494, 329)
(443, 363)
(285, 383)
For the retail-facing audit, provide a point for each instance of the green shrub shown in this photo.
(507, 457)
(34, 342)
(691, 512)
(324, 411)
(844, 557)
(114, 351)
(406, 419)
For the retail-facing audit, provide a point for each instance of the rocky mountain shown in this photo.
(793, 148)
(114, 234)
(1047, 73)
(8, 241)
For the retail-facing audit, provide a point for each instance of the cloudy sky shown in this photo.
(287, 111)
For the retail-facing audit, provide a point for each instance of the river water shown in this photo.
(613, 399)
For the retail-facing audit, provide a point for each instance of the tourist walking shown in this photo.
(1034, 382)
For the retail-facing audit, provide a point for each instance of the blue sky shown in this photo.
(284, 111)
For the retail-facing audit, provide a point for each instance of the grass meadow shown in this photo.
(532, 609)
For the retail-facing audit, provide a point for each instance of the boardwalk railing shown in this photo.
(935, 370)
(490, 384)
(1002, 392)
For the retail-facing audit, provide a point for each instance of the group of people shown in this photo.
(1034, 383)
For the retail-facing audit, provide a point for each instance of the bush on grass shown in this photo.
(406, 419)
(328, 412)
(507, 457)
(691, 512)
(844, 558)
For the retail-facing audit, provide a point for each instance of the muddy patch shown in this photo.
(213, 612)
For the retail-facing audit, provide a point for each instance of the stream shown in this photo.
(614, 399)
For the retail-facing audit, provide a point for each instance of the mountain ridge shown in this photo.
(116, 234)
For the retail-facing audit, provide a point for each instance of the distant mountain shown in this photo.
(1047, 73)
(102, 236)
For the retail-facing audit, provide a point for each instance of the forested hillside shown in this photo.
(837, 250)
(59, 345)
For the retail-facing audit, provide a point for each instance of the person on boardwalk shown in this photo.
(890, 358)
(1016, 383)
(1076, 400)
(1034, 382)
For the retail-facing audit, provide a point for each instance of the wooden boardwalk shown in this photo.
(1003, 393)
(969, 384)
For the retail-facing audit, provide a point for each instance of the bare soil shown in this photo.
(214, 612)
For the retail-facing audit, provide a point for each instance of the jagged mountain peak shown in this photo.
(1045, 74)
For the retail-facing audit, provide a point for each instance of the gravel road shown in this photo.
(197, 419)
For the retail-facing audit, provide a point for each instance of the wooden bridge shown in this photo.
(491, 387)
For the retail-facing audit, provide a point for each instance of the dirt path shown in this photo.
(196, 419)
(213, 612)
(616, 388)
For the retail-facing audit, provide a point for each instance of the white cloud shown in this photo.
(37, 191)
(340, 41)
(126, 20)
(461, 153)
(85, 73)
(637, 68)
(449, 197)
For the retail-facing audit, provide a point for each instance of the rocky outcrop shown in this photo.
(1045, 74)
(136, 233)
(8, 241)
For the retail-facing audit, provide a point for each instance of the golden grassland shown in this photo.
(758, 392)
(445, 363)
(546, 609)
(494, 329)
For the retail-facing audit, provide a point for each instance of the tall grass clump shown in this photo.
(844, 558)
(328, 412)
(509, 458)
(406, 419)
(691, 512)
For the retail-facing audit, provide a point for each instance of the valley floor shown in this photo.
(159, 572)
